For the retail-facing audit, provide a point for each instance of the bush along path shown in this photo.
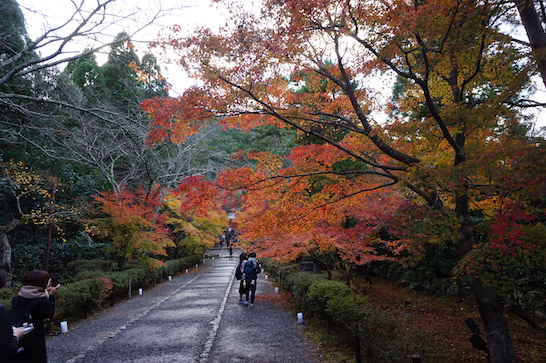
(195, 317)
(391, 323)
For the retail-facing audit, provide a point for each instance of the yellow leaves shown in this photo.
(187, 228)
(197, 229)
(32, 193)
(21, 181)
(267, 162)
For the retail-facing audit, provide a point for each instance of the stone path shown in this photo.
(195, 317)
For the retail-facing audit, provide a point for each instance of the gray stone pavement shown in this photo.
(195, 317)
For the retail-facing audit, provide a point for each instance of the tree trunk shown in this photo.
(491, 312)
(535, 32)
(489, 306)
(5, 257)
(5, 249)
(121, 263)
(50, 225)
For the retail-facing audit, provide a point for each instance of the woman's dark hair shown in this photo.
(38, 278)
(242, 257)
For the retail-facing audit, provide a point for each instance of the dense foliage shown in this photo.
(75, 167)
(435, 169)
(445, 166)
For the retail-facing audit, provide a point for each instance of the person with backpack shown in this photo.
(239, 275)
(252, 269)
(9, 337)
(36, 300)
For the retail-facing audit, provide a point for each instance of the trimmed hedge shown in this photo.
(322, 292)
(378, 335)
(97, 287)
(77, 266)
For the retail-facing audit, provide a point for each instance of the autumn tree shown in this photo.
(144, 224)
(195, 215)
(84, 122)
(451, 143)
(28, 200)
(133, 223)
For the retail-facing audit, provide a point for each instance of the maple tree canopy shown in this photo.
(308, 66)
(452, 146)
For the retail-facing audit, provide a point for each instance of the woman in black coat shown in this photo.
(38, 295)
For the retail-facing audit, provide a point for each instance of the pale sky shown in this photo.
(129, 15)
(188, 14)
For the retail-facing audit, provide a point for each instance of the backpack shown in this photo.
(21, 317)
(252, 269)
(238, 272)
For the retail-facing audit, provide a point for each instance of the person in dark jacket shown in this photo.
(252, 269)
(242, 283)
(9, 337)
(36, 290)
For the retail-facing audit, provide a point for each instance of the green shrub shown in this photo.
(78, 299)
(301, 282)
(190, 261)
(321, 291)
(30, 256)
(6, 294)
(351, 311)
(95, 283)
(135, 277)
(77, 266)
(381, 337)
(88, 274)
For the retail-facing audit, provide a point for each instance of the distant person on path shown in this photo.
(230, 250)
(242, 283)
(252, 269)
(38, 294)
(9, 337)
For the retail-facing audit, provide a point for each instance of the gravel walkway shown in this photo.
(194, 318)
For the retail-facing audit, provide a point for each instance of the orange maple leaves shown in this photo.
(134, 223)
(307, 68)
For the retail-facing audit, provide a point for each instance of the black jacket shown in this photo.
(43, 308)
(8, 342)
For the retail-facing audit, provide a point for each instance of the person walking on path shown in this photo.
(252, 269)
(242, 283)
